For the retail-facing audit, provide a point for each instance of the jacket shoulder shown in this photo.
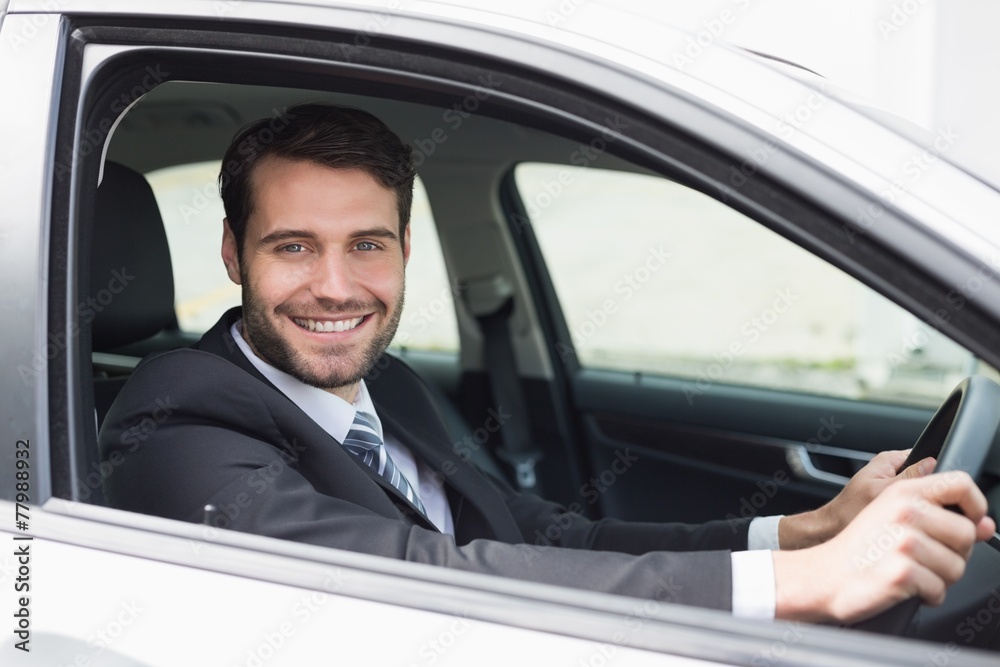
(187, 385)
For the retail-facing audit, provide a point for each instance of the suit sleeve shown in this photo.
(544, 523)
(174, 451)
(548, 523)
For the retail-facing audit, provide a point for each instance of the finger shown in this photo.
(895, 457)
(955, 488)
(908, 578)
(929, 586)
(921, 468)
(945, 562)
(885, 464)
(985, 529)
(951, 530)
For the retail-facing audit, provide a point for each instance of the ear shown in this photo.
(230, 256)
(406, 245)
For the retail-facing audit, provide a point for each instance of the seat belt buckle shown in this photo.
(525, 472)
(524, 468)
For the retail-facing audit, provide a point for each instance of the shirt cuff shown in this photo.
(763, 533)
(754, 595)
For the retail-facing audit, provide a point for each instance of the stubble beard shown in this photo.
(265, 339)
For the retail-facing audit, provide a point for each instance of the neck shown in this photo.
(348, 392)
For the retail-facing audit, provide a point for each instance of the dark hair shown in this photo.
(334, 136)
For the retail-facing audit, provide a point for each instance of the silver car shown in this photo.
(731, 287)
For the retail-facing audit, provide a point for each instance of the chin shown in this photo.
(328, 378)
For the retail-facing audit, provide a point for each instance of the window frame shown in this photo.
(530, 98)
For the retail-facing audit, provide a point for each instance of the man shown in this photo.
(288, 415)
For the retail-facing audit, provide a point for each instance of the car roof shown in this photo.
(944, 202)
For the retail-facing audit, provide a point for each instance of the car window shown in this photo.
(687, 287)
(188, 197)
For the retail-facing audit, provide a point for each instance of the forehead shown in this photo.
(302, 192)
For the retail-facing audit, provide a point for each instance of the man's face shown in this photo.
(322, 271)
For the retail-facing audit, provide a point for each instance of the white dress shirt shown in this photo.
(754, 594)
(336, 416)
(753, 570)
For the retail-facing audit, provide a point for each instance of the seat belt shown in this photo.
(491, 301)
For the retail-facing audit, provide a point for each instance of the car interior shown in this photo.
(708, 447)
(190, 123)
(193, 124)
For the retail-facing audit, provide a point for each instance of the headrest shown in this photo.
(131, 278)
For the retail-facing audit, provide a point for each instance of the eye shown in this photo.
(292, 248)
(366, 246)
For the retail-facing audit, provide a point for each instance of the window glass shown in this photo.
(656, 277)
(188, 197)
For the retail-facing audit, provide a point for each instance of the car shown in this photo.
(719, 287)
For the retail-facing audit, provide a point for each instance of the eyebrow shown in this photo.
(377, 232)
(284, 235)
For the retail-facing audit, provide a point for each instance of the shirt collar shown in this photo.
(331, 412)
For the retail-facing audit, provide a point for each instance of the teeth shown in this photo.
(329, 326)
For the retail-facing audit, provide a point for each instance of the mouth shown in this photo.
(329, 326)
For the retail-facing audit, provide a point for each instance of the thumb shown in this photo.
(919, 469)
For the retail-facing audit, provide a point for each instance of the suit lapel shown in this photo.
(326, 450)
(333, 453)
(409, 413)
(474, 503)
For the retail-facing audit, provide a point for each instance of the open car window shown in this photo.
(688, 287)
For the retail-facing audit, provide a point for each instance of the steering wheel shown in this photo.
(960, 435)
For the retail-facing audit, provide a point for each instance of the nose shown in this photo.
(333, 278)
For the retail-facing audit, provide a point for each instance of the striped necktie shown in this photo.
(364, 442)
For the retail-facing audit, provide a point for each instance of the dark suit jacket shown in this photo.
(202, 426)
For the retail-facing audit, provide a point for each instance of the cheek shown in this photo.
(276, 283)
(387, 283)
(378, 277)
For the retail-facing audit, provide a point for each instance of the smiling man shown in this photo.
(278, 421)
(322, 272)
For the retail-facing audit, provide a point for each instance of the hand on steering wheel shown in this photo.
(960, 436)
